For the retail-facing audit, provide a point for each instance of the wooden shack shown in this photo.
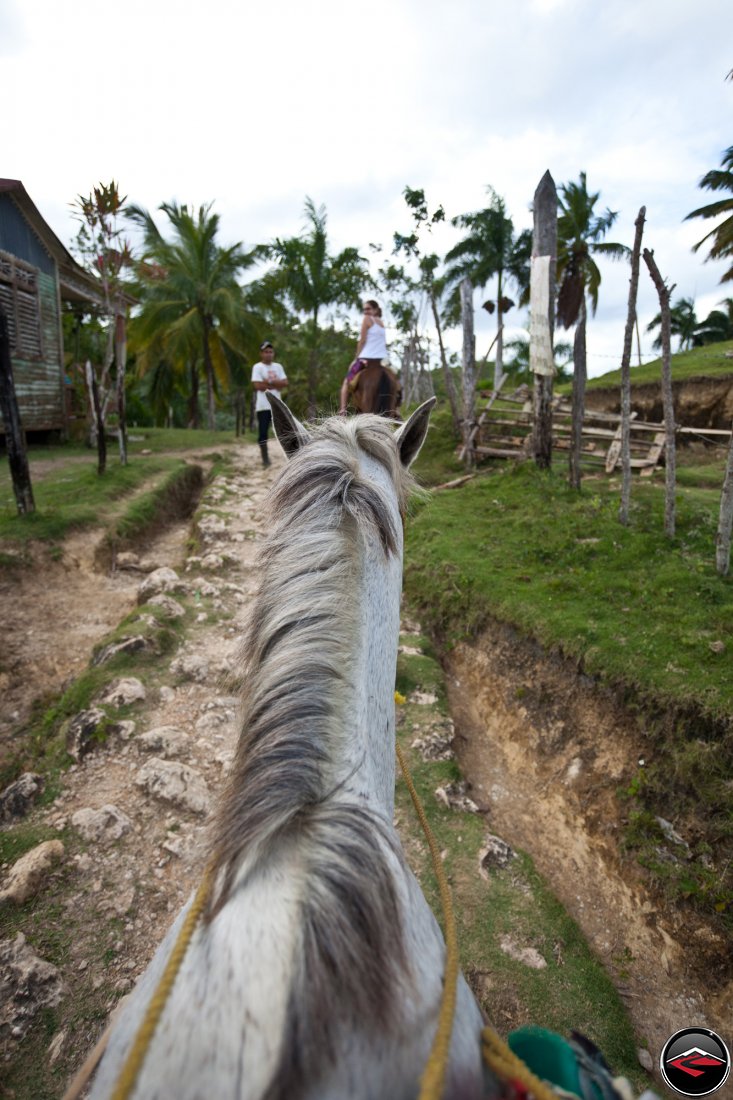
(37, 274)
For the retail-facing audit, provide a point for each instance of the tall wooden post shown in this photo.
(670, 473)
(469, 368)
(579, 377)
(14, 438)
(450, 388)
(120, 365)
(631, 321)
(725, 518)
(544, 243)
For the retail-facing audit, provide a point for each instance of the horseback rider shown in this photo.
(371, 350)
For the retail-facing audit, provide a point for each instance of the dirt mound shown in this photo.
(698, 402)
(546, 750)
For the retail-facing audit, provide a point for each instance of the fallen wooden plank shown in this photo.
(455, 484)
(497, 452)
(655, 452)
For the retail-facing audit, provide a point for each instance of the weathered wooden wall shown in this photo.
(39, 381)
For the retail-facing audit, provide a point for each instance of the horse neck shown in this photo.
(368, 764)
(320, 655)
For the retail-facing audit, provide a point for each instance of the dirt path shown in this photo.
(111, 900)
(56, 609)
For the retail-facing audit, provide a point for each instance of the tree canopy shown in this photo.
(193, 316)
(721, 235)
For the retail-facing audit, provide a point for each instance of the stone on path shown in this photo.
(17, 799)
(122, 692)
(453, 795)
(191, 667)
(27, 874)
(176, 783)
(166, 740)
(134, 644)
(171, 608)
(27, 984)
(81, 731)
(102, 826)
(160, 580)
(495, 853)
(530, 956)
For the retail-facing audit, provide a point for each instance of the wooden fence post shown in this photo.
(725, 520)
(665, 293)
(579, 377)
(14, 438)
(623, 514)
(544, 243)
(469, 368)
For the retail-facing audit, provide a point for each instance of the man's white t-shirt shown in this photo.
(266, 372)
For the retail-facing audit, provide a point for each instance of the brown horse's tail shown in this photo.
(384, 394)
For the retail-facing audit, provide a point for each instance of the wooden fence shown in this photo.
(504, 430)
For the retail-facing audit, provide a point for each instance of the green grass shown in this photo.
(518, 545)
(706, 362)
(71, 497)
(160, 440)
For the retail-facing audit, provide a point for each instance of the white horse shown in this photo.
(317, 969)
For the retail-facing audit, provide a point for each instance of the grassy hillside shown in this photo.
(707, 362)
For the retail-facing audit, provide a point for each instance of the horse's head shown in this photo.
(292, 435)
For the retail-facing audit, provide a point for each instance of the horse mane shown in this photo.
(297, 655)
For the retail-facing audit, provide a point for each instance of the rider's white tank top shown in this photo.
(375, 345)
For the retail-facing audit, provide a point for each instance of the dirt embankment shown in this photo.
(546, 750)
(698, 402)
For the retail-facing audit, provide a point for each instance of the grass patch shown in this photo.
(161, 440)
(72, 497)
(518, 545)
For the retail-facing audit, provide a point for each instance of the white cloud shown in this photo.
(257, 106)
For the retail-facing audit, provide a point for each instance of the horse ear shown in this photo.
(411, 436)
(291, 435)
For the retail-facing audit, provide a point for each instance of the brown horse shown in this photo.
(377, 390)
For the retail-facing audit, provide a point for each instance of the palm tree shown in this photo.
(683, 323)
(719, 179)
(580, 233)
(192, 313)
(490, 249)
(313, 279)
(517, 369)
(718, 325)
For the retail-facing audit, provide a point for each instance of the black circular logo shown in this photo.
(695, 1061)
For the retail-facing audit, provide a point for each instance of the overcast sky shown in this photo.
(256, 105)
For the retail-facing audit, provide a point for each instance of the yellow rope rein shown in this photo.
(496, 1053)
(431, 1082)
(508, 1066)
(138, 1050)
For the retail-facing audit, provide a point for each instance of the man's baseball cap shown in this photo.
(265, 344)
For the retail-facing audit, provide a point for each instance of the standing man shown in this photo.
(267, 376)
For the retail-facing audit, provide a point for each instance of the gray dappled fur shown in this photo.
(282, 788)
